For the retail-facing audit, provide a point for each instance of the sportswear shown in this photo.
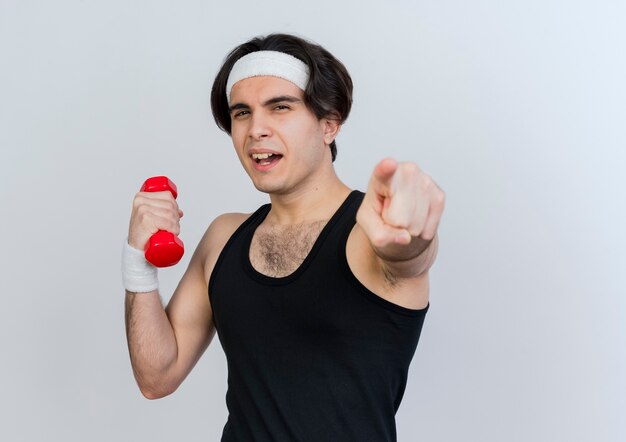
(313, 356)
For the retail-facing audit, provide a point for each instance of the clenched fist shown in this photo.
(152, 211)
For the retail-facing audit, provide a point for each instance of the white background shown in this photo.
(517, 109)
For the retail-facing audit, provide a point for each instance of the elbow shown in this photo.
(151, 394)
(154, 393)
(155, 390)
(156, 382)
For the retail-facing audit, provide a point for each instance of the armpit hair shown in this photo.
(391, 280)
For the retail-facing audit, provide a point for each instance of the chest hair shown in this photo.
(278, 251)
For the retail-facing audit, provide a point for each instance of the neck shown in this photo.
(308, 203)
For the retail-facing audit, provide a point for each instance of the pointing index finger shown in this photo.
(385, 169)
(383, 173)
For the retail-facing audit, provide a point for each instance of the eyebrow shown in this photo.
(271, 101)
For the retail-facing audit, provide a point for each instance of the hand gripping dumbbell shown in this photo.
(163, 249)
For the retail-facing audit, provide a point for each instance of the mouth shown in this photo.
(265, 160)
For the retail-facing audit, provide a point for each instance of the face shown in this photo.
(281, 144)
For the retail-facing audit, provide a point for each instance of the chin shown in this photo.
(268, 188)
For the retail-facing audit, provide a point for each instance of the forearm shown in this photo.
(151, 343)
(409, 260)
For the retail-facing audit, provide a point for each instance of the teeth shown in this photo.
(261, 156)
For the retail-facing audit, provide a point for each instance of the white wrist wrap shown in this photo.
(138, 275)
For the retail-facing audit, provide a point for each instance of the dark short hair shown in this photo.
(328, 93)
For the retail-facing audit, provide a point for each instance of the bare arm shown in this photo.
(411, 260)
(395, 241)
(165, 343)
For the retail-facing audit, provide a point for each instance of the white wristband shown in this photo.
(138, 275)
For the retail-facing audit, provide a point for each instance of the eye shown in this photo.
(240, 114)
(280, 107)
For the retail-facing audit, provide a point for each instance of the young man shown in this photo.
(319, 297)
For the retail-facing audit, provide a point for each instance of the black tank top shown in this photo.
(313, 356)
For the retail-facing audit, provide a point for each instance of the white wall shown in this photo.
(515, 108)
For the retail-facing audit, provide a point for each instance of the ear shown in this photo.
(331, 129)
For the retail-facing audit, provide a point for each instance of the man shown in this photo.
(319, 297)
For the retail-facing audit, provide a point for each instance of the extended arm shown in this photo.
(398, 218)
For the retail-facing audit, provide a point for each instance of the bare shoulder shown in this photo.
(216, 237)
(369, 269)
(190, 304)
(189, 310)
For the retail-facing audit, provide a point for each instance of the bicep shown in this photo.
(189, 310)
(190, 314)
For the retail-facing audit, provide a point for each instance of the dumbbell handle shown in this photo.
(163, 249)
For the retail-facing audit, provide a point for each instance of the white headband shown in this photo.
(272, 63)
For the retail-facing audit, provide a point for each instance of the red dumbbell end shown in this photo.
(164, 249)
(159, 184)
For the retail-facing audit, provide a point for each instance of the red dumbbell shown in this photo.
(163, 249)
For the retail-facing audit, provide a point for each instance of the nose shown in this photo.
(260, 127)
